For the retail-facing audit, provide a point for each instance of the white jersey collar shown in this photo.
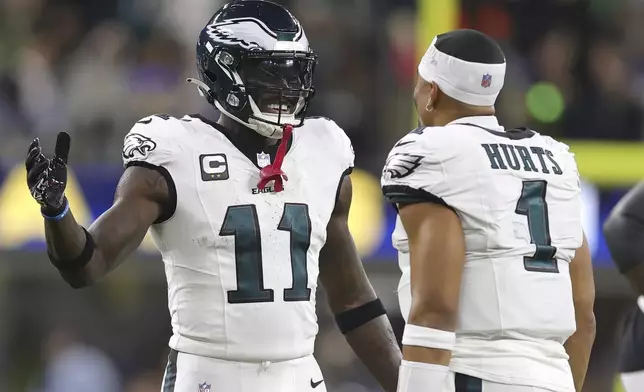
(482, 121)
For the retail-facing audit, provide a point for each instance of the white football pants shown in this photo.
(192, 373)
(463, 383)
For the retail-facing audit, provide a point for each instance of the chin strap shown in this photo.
(274, 172)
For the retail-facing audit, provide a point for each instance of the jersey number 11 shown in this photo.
(242, 223)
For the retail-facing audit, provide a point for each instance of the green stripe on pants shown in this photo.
(465, 383)
(170, 377)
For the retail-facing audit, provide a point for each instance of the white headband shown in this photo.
(475, 84)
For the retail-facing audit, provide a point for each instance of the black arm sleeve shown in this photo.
(624, 230)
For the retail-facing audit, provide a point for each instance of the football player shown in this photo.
(497, 286)
(247, 213)
(624, 233)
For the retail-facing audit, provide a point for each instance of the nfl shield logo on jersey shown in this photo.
(204, 387)
(263, 160)
(486, 81)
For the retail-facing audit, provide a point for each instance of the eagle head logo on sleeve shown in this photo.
(137, 145)
(401, 165)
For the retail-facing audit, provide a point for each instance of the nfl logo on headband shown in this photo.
(486, 81)
(476, 83)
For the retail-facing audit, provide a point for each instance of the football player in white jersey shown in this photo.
(497, 287)
(247, 213)
(624, 232)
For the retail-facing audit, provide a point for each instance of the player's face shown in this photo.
(425, 98)
(278, 85)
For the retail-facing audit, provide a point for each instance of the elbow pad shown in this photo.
(624, 230)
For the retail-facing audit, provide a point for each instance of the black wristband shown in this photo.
(353, 318)
(80, 261)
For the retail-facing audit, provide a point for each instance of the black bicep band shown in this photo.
(78, 263)
(353, 318)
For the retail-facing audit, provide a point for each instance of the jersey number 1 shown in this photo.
(532, 204)
(242, 223)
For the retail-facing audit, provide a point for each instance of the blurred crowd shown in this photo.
(94, 67)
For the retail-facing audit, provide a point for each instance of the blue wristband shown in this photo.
(59, 216)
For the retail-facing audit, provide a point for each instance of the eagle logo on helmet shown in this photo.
(224, 33)
(401, 165)
(248, 33)
(135, 143)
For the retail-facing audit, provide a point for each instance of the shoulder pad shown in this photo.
(153, 140)
(415, 169)
(556, 144)
(436, 142)
(327, 132)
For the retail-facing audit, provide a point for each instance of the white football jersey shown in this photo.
(518, 196)
(242, 263)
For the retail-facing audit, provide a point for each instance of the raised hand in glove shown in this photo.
(47, 178)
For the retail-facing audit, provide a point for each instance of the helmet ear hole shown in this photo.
(227, 59)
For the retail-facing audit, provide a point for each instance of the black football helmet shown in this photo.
(255, 66)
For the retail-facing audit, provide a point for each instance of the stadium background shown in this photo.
(94, 67)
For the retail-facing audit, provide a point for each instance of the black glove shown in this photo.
(47, 178)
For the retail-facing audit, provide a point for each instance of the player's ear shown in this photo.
(434, 95)
(419, 89)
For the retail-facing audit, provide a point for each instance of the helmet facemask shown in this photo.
(268, 90)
